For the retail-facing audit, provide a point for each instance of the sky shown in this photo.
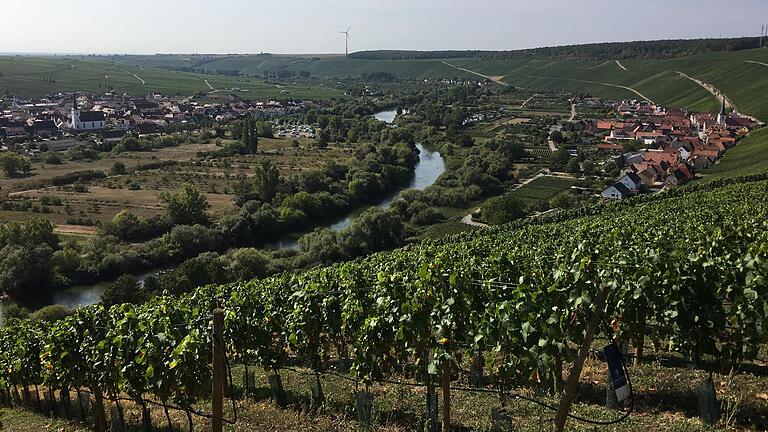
(312, 26)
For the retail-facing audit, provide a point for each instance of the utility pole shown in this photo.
(217, 392)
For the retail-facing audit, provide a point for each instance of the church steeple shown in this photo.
(721, 117)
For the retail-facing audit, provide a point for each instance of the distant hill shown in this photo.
(658, 49)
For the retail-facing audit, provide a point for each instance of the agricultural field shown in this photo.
(41, 76)
(138, 190)
(543, 188)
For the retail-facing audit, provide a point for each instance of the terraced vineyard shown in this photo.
(686, 270)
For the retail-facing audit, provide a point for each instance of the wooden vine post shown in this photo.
(217, 393)
(571, 386)
(446, 387)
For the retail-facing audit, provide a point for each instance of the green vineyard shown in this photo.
(685, 269)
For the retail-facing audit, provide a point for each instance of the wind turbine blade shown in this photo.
(349, 28)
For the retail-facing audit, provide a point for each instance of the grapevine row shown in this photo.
(688, 272)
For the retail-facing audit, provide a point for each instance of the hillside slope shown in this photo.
(41, 76)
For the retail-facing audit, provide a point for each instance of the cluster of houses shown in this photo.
(673, 145)
(64, 114)
(295, 131)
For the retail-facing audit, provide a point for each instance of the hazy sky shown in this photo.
(306, 26)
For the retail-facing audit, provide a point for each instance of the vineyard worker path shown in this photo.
(595, 67)
(756, 62)
(497, 79)
(135, 76)
(467, 220)
(618, 63)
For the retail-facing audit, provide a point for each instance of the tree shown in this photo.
(557, 137)
(14, 163)
(266, 179)
(187, 206)
(126, 289)
(125, 226)
(502, 209)
(26, 272)
(559, 159)
(247, 264)
(573, 165)
(51, 313)
(118, 168)
(374, 230)
(250, 136)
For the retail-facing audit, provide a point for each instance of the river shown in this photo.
(430, 166)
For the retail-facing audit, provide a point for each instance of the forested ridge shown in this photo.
(658, 49)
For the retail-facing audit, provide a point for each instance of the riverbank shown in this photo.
(427, 170)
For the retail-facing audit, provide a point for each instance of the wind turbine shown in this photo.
(346, 40)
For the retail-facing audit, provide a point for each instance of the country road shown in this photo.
(573, 112)
(618, 63)
(209, 85)
(496, 79)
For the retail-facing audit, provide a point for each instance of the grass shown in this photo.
(664, 391)
(42, 76)
(750, 156)
(543, 188)
(17, 420)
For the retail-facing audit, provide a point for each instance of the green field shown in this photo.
(543, 188)
(749, 157)
(41, 76)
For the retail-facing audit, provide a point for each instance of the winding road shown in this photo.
(573, 112)
(618, 63)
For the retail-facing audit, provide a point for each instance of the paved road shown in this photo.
(618, 63)
(573, 112)
(209, 85)
(496, 79)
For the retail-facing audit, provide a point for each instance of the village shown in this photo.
(57, 121)
(660, 147)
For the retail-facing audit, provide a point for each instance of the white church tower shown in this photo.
(722, 116)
